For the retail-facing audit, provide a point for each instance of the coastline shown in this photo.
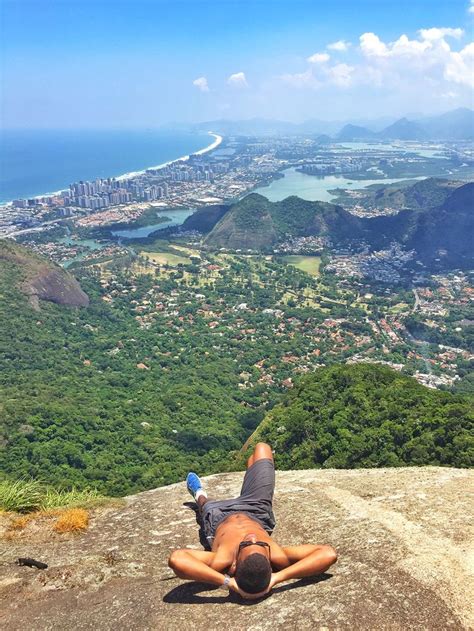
(217, 141)
(126, 176)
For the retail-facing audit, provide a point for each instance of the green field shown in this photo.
(166, 258)
(308, 264)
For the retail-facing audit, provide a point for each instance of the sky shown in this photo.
(144, 63)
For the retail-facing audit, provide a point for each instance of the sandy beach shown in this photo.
(217, 141)
(126, 176)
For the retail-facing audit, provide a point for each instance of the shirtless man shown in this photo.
(243, 557)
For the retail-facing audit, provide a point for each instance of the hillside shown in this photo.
(247, 225)
(435, 219)
(367, 416)
(447, 231)
(204, 219)
(258, 224)
(403, 559)
(38, 278)
(351, 133)
(404, 129)
(427, 193)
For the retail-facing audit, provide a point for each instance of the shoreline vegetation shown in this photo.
(131, 174)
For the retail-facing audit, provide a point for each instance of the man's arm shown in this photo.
(195, 565)
(306, 560)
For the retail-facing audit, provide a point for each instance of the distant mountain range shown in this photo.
(436, 220)
(454, 125)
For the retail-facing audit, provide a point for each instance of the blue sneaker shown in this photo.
(193, 483)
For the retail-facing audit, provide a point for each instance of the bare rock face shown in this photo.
(42, 279)
(55, 285)
(402, 536)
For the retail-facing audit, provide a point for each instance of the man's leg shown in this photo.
(259, 479)
(201, 500)
(260, 452)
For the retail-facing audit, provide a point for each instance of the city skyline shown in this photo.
(146, 64)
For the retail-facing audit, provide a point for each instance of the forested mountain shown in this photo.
(436, 220)
(256, 223)
(367, 416)
(204, 219)
(427, 193)
(162, 373)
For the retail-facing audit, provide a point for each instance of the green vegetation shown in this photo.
(166, 258)
(308, 264)
(435, 218)
(173, 369)
(368, 416)
(26, 496)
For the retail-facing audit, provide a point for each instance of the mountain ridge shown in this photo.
(435, 208)
(457, 124)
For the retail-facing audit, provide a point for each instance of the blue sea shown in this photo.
(36, 162)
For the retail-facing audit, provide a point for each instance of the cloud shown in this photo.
(470, 9)
(372, 46)
(423, 67)
(302, 80)
(341, 75)
(201, 83)
(428, 58)
(460, 65)
(318, 58)
(238, 80)
(433, 34)
(340, 45)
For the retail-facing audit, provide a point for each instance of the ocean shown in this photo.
(36, 162)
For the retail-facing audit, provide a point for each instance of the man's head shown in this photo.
(254, 570)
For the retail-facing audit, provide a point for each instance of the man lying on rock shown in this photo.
(243, 557)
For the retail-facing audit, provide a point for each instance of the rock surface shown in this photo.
(402, 537)
(41, 279)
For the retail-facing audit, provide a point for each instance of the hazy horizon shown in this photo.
(148, 64)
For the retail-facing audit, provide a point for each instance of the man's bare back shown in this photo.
(239, 536)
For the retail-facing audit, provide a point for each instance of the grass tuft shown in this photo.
(21, 496)
(74, 498)
(27, 496)
(72, 520)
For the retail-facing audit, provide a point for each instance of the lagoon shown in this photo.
(314, 187)
(175, 218)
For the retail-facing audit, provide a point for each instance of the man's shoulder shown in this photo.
(278, 555)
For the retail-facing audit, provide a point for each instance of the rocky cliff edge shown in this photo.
(402, 536)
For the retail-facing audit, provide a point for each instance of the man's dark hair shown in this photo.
(254, 573)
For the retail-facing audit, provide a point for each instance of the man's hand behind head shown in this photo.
(233, 585)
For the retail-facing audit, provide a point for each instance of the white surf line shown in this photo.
(213, 145)
(127, 176)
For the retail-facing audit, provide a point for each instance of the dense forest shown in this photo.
(368, 416)
(172, 369)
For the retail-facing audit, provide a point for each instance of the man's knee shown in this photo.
(330, 554)
(262, 450)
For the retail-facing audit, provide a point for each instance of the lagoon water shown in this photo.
(36, 162)
(175, 217)
(314, 187)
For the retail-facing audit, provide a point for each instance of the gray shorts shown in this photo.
(255, 500)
